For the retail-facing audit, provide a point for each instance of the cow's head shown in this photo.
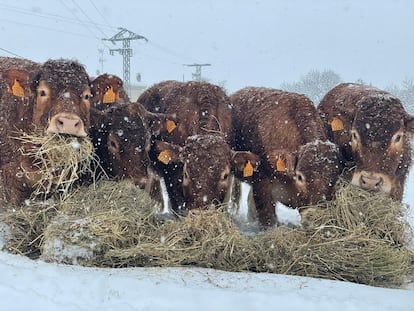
(380, 144)
(62, 103)
(312, 170)
(120, 136)
(207, 162)
(107, 90)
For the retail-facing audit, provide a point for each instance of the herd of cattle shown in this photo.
(199, 140)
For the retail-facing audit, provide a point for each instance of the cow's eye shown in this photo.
(300, 178)
(354, 136)
(397, 138)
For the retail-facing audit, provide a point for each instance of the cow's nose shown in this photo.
(67, 124)
(370, 182)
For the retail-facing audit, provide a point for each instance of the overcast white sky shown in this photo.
(247, 42)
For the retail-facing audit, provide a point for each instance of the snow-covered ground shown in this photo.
(35, 285)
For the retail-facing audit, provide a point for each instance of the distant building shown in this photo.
(136, 91)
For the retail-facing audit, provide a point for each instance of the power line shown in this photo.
(11, 53)
(45, 28)
(100, 13)
(83, 23)
(87, 17)
(50, 16)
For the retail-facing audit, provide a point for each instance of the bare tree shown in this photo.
(405, 93)
(314, 84)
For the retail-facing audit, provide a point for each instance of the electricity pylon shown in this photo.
(126, 36)
(197, 75)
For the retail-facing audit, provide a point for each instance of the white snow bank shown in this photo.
(36, 285)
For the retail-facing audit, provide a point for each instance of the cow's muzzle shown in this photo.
(67, 123)
(372, 181)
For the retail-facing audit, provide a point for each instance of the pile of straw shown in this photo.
(60, 161)
(360, 237)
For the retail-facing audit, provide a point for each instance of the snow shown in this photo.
(36, 285)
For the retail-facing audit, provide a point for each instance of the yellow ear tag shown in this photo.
(170, 124)
(280, 165)
(164, 156)
(17, 89)
(337, 124)
(110, 96)
(248, 169)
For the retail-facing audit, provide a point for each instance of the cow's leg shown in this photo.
(265, 207)
(173, 182)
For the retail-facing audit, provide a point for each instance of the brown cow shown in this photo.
(56, 100)
(193, 156)
(106, 90)
(299, 166)
(121, 138)
(372, 131)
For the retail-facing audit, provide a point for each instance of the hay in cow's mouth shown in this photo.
(59, 161)
(361, 237)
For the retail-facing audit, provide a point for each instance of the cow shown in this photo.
(372, 130)
(121, 141)
(55, 97)
(193, 155)
(106, 90)
(299, 166)
(120, 136)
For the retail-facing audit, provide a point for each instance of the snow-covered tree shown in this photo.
(405, 93)
(314, 84)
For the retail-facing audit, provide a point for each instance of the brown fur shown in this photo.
(369, 141)
(198, 145)
(275, 124)
(120, 139)
(53, 90)
(101, 84)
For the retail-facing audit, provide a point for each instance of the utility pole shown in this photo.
(197, 75)
(126, 36)
(101, 59)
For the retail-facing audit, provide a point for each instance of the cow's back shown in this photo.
(270, 119)
(198, 107)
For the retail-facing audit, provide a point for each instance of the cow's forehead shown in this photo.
(206, 150)
(63, 75)
(379, 118)
(318, 154)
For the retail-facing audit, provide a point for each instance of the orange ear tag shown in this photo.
(17, 89)
(336, 124)
(170, 125)
(110, 96)
(248, 169)
(164, 156)
(280, 165)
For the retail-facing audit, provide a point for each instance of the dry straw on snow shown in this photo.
(360, 237)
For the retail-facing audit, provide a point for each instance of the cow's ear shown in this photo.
(409, 125)
(17, 81)
(246, 162)
(107, 88)
(156, 123)
(282, 161)
(168, 153)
